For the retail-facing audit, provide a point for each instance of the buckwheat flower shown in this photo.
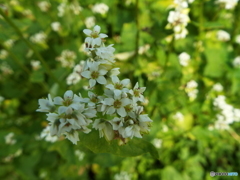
(184, 58)
(92, 100)
(217, 87)
(100, 8)
(228, 4)
(137, 93)
(157, 142)
(67, 58)
(9, 139)
(223, 36)
(94, 74)
(70, 100)
(237, 39)
(56, 26)
(9, 43)
(73, 136)
(44, 6)
(122, 176)
(94, 39)
(73, 78)
(79, 154)
(90, 21)
(46, 134)
(114, 72)
(105, 129)
(76, 8)
(178, 116)
(116, 104)
(236, 62)
(118, 86)
(39, 38)
(106, 53)
(61, 9)
(176, 18)
(35, 64)
(3, 54)
(181, 4)
(46, 105)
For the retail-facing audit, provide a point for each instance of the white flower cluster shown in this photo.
(228, 4)
(35, 64)
(117, 114)
(44, 6)
(184, 58)
(227, 113)
(56, 26)
(191, 89)
(67, 58)
(178, 19)
(9, 139)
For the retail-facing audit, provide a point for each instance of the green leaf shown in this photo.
(37, 76)
(134, 147)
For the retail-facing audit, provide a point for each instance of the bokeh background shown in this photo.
(187, 54)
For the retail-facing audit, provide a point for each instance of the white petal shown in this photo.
(108, 101)
(92, 83)
(108, 131)
(102, 71)
(110, 86)
(125, 101)
(97, 28)
(62, 109)
(125, 82)
(86, 74)
(87, 32)
(68, 95)
(97, 41)
(122, 112)
(117, 92)
(101, 80)
(103, 35)
(110, 110)
(115, 79)
(58, 100)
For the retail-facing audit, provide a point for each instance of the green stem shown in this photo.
(137, 33)
(45, 65)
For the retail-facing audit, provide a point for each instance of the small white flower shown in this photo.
(9, 139)
(44, 6)
(3, 54)
(105, 129)
(67, 58)
(56, 26)
(9, 43)
(39, 38)
(94, 74)
(228, 4)
(46, 134)
(106, 53)
(236, 62)
(35, 64)
(72, 136)
(157, 143)
(94, 39)
(217, 87)
(137, 92)
(90, 21)
(237, 39)
(223, 35)
(116, 104)
(184, 58)
(118, 86)
(79, 154)
(46, 105)
(179, 116)
(100, 8)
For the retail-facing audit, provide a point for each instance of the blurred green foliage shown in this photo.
(188, 148)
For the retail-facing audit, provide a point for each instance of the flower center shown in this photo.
(95, 74)
(94, 34)
(118, 86)
(117, 104)
(136, 93)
